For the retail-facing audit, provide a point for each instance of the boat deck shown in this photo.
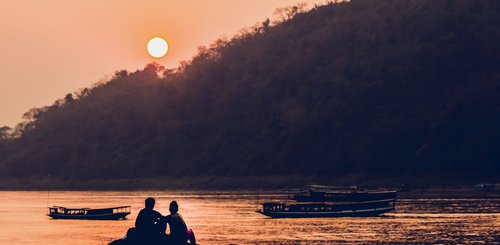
(112, 213)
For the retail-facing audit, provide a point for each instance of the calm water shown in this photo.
(229, 217)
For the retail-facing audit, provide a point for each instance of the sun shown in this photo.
(157, 47)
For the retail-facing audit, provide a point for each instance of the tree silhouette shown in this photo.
(366, 87)
(5, 132)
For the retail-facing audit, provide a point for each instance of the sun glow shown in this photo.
(157, 47)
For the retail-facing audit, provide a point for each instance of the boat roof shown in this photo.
(331, 187)
(326, 203)
(89, 208)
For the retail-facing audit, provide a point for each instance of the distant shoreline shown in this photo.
(170, 183)
(413, 186)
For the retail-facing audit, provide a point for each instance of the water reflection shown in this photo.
(229, 217)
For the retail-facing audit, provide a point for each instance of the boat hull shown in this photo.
(112, 213)
(314, 210)
(114, 216)
(345, 213)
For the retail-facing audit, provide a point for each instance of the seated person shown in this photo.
(179, 233)
(147, 220)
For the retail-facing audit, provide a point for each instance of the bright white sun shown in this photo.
(157, 47)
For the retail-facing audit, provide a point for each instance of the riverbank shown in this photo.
(171, 183)
(413, 184)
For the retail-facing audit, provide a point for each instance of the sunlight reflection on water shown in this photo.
(229, 217)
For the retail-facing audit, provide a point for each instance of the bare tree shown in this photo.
(286, 13)
(5, 132)
(68, 99)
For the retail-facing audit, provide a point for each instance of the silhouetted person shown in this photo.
(147, 219)
(179, 233)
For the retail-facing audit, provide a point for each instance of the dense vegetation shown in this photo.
(365, 86)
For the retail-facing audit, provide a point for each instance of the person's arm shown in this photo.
(162, 224)
(158, 216)
(167, 221)
(183, 221)
(138, 220)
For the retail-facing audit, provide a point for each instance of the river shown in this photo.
(229, 218)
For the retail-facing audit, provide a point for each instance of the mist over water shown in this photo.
(229, 217)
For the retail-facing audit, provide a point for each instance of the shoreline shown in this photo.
(409, 189)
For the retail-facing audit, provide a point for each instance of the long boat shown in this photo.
(315, 210)
(342, 194)
(112, 213)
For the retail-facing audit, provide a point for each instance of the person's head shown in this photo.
(173, 207)
(149, 203)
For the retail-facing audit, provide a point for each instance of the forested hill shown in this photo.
(377, 87)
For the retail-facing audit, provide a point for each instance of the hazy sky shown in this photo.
(53, 47)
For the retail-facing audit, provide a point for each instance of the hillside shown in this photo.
(374, 87)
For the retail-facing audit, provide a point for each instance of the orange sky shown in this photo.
(53, 47)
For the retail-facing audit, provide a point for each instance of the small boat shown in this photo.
(113, 213)
(315, 210)
(485, 187)
(342, 194)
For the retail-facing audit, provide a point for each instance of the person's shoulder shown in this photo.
(141, 214)
(180, 217)
(168, 217)
(176, 216)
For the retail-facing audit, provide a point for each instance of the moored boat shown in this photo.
(342, 194)
(312, 210)
(112, 213)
